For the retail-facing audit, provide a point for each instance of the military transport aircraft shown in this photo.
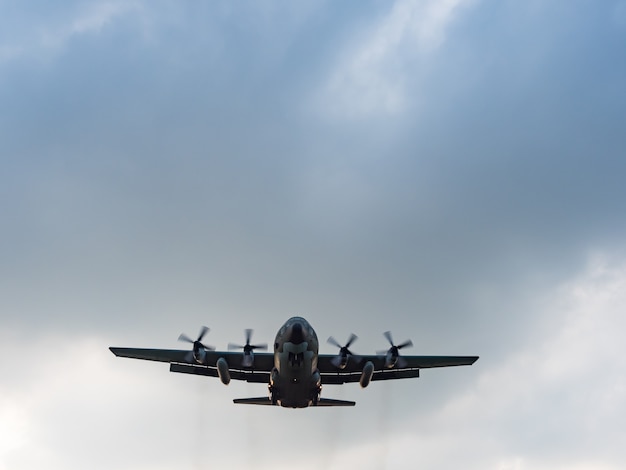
(295, 371)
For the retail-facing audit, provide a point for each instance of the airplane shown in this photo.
(294, 372)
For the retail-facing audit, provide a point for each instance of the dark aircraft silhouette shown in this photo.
(294, 372)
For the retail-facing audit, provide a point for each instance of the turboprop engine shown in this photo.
(341, 360)
(248, 349)
(198, 353)
(392, 355)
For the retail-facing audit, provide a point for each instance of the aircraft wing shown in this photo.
(182, 361)
(161, 355)
(407, 367)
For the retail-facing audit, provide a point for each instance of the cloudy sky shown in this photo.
(449, 170)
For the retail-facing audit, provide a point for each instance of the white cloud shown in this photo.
(64, 402)
(43, 36)
(557, 403)
(370, 76)
(88, 21)
(13, 426)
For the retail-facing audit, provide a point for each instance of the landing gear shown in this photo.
(273, 394)
(273, 391)
(296, 359)
(316, 395)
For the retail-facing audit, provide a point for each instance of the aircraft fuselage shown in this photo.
(295, 381)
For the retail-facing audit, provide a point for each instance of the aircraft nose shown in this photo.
(297, 333)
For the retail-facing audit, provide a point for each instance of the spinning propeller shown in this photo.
(248, 349)
(341, 361)
(198, 353)
(392, 355)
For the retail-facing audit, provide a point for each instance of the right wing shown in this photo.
(410, 368)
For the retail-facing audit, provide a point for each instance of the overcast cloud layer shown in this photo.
(452, 171)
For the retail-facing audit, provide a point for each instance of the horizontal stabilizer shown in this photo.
(332, 402)
(253, 401)
(267, 401)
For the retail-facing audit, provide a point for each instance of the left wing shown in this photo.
(181, 361)
(411, 366)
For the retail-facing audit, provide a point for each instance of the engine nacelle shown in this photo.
(391, 359)
(343, 361)
(248, 359)
(199, 354)
(366, 375)
(222, 371)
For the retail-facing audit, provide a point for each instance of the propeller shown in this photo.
(392, 355)
(248, 349)
(341, 361)
(198, 353)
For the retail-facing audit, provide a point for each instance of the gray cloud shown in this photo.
(166, 166)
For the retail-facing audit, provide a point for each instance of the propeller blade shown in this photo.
(185, 338)
(203, 331)
(351, 340)
(248, 347)
(197, 342)
(407, 344)
(334, 342)
(388, 336)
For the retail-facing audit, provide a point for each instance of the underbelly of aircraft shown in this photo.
(296, 381)
(296, 394)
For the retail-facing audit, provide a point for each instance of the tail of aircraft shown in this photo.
(333, 402)
(267, 401)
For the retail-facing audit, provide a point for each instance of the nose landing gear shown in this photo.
(296, 359)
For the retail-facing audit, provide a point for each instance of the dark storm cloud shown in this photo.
(205, 155)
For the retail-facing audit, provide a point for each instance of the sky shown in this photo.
(448, 170)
